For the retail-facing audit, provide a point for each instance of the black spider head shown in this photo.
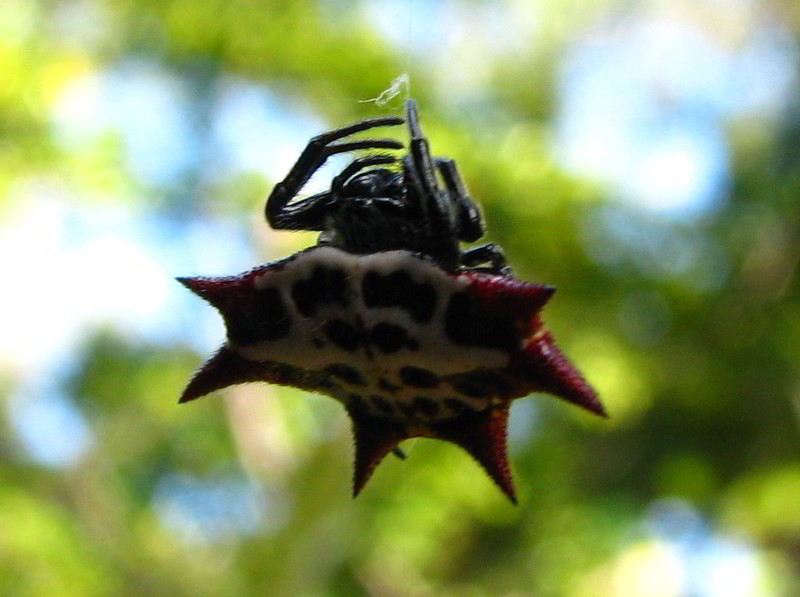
(379, 203)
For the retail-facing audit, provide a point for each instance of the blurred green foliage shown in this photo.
(700, 368)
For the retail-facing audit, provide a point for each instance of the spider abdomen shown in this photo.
(388, 333)
(385, 331)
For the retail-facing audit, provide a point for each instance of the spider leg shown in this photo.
(410, 171)
(489, 253)
(434, 203)
(308, 214)
(470, 223)
(357, 165)
(421, 151)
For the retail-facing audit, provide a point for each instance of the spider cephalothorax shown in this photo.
(387, 314)
(370, 209)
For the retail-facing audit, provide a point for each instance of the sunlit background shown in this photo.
(642, 156)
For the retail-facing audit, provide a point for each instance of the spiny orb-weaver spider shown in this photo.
(387, 314)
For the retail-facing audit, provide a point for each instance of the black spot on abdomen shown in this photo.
(342, 334)
(382, 404)
(259, 316)
(418, 377)
(399, 290)
(457, 406)
(389, 338)
(346, 373)
(387, 386)
(481, 384)
(326, 285)
(465, 323)
(426, 406)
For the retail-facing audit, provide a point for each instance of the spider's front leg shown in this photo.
(490, 253)
(434, 203)
(470, 222)
(418, 166)
(309, 213)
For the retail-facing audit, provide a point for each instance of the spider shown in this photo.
(386, 314)
(370, 209)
